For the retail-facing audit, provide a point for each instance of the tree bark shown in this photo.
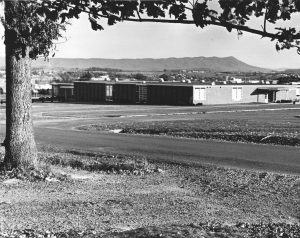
(20, 147)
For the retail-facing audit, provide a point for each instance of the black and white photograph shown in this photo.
(150, 118)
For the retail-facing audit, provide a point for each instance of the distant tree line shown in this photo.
(70, 76)
(288, 79)
(86, 75)
(103, 69)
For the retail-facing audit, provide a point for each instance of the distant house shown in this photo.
(272, 81)
(254, 81)
(41, 79)
(236, 80)
(42, 86)
(101, 78)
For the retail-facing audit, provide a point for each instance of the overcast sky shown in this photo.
(152, 40)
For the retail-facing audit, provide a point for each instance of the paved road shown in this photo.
(266, 157)
(54, 123)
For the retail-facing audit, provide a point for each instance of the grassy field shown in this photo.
(266, 127)
(117, 195)
(100, 194)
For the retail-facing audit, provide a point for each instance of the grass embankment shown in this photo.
(238, 130)
(104, 194)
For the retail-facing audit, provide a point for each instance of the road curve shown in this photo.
(265, 157)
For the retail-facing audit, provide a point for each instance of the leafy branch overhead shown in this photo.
(40, 22)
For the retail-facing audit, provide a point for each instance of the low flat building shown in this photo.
(93, 91)
(63, 91)
(182, 93)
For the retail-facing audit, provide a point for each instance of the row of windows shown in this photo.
(200, 94)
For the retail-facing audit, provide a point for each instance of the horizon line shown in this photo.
(170, 57)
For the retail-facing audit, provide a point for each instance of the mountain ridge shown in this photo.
(218, 64)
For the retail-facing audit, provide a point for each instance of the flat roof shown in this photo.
(193, 83)
(272, 89)
(96, 81)
(62, 84)
(65, 87)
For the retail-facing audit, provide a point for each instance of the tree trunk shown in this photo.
(20, 147)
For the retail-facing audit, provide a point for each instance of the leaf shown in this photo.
(154, 9)
(95, 26)
(40, 11)
(112, 20)
(182, 17)
(63, 17)
(200, 13)
(229, 28)
(52, 15)
(176, 10)
(297, 5)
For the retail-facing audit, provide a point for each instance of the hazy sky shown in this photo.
(150, 40)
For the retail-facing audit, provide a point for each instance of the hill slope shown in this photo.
(148, 64)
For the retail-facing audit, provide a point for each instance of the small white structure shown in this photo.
(42, 86)
(101, 78)
(236, 80)
(254, 81)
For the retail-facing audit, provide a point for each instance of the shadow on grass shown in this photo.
(100, 162)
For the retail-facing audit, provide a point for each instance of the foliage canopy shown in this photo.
(40, 22)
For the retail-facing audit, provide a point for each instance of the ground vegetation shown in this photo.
(225, 129)
(147, 199)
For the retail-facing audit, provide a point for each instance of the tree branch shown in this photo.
(214, 22)
(222, 24)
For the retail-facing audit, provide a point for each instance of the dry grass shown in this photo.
(101, 198)
(235, 130)
(100, 162)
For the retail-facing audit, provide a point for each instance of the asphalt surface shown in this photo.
(263, 157)
(55, 125)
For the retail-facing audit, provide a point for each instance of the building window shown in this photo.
(237, 93)
(200, 94)
(109, 90)
(142, 93)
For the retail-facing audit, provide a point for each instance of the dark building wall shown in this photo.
(65, 94)
(89, 92)
(62, 91)
(125, 93)
(170, 94)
